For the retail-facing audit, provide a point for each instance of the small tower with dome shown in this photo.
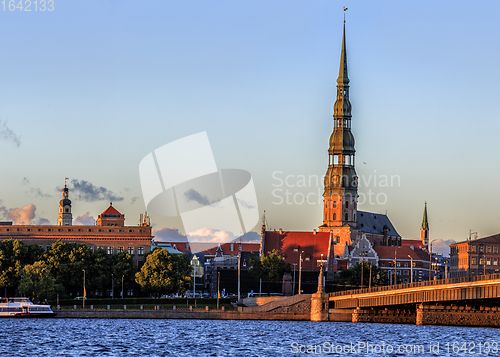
(65, 217)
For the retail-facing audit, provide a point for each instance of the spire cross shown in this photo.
(345, 9)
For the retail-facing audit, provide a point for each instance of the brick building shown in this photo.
(109, 233)
(475, 257)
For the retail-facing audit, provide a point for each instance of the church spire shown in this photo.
(424, 229)
(65, 217)
(341, 192)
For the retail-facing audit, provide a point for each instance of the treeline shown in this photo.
(31, 271)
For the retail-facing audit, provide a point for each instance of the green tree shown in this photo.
(165, 273)
(269, 267)
(123, 265)
(352, 276)
(67, 262)
(38, 283)
(14, 255)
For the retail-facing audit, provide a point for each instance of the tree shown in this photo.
(352, 276)
(67, 262)
(123, 265)
(14, 255)
(269, 267)
(165, 273)
(38, 283)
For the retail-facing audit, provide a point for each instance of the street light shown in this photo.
(239, 272)
(294, 264)
(84, 291)
(300, 272)
(112, 286)
(122, 285)
(430, 261)
(411, 267)
(194, 279)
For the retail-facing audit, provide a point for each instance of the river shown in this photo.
(121, 337)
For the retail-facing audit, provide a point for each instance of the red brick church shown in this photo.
(343, 225)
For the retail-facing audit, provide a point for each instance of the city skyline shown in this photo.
(89, 89)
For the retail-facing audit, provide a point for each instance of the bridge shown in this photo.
(473, 300)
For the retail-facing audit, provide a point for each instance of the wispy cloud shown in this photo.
(8, 135)
(35, 191)
(133, 199)
(87, 192)
(193, 195)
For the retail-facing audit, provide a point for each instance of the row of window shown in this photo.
(477, 249)
(130, 250)
(489, 261)
(66, 230)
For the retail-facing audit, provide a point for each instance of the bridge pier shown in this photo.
(453, 315)
(392, 316)
(319, 300)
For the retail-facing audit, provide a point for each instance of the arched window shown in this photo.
(334, 216)
(334, 204)
(346, 217)
(346, 204)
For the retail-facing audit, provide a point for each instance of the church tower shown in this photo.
(65, 217)
(424, 229)
(341, 182)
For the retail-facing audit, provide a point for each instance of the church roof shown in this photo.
(374, 223)
(111, 210)
(291, 244)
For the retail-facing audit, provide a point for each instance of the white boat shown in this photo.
(23, 307)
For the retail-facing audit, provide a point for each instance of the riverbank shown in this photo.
(179, 314)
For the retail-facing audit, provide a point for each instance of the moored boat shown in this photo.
(23, 307)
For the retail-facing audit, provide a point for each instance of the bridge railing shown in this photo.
(418, 284)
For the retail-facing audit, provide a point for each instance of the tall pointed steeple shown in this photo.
(341, 182)
(424, 229)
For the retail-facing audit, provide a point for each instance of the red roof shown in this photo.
(291, 244)
(417, 243)
(111, 210)
(389, 252)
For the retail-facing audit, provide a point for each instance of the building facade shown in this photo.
(109, 233)
(475, 257)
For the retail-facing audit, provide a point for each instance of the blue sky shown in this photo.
(89, 89)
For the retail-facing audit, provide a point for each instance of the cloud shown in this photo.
(209, 235)
(245, 204)
(42, 222)
(193, 195)
(85, 220)
(35, 191)
(442, 246)
(23, 215)
(8, 135)
(169, 235)
(133, 199)
(87, 192)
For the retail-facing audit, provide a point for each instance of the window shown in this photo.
(334, 204)
(488, 249)
(474, 261)
(337, 239)
(346, 217)
(481, 249)
(307, 258)
(120, 249)
(334, 216)
(346, 204)
(110, 250)
(140, 251)
(130, 250)
(495, 249)
(398, 264)
(488, 261)
(473, 248)
(495, 261)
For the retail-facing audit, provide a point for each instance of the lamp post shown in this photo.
(294, 264)
(122, 285)
(239, 273)
(411, 268)
(361, 271)
(300, 272)
(84, 291)
(430, 261)
(395, 282)
(194, 280)
(218, 288)
(112, 286)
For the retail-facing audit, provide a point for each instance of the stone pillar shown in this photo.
(319, 300)
(355, 315)
(420, 315)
